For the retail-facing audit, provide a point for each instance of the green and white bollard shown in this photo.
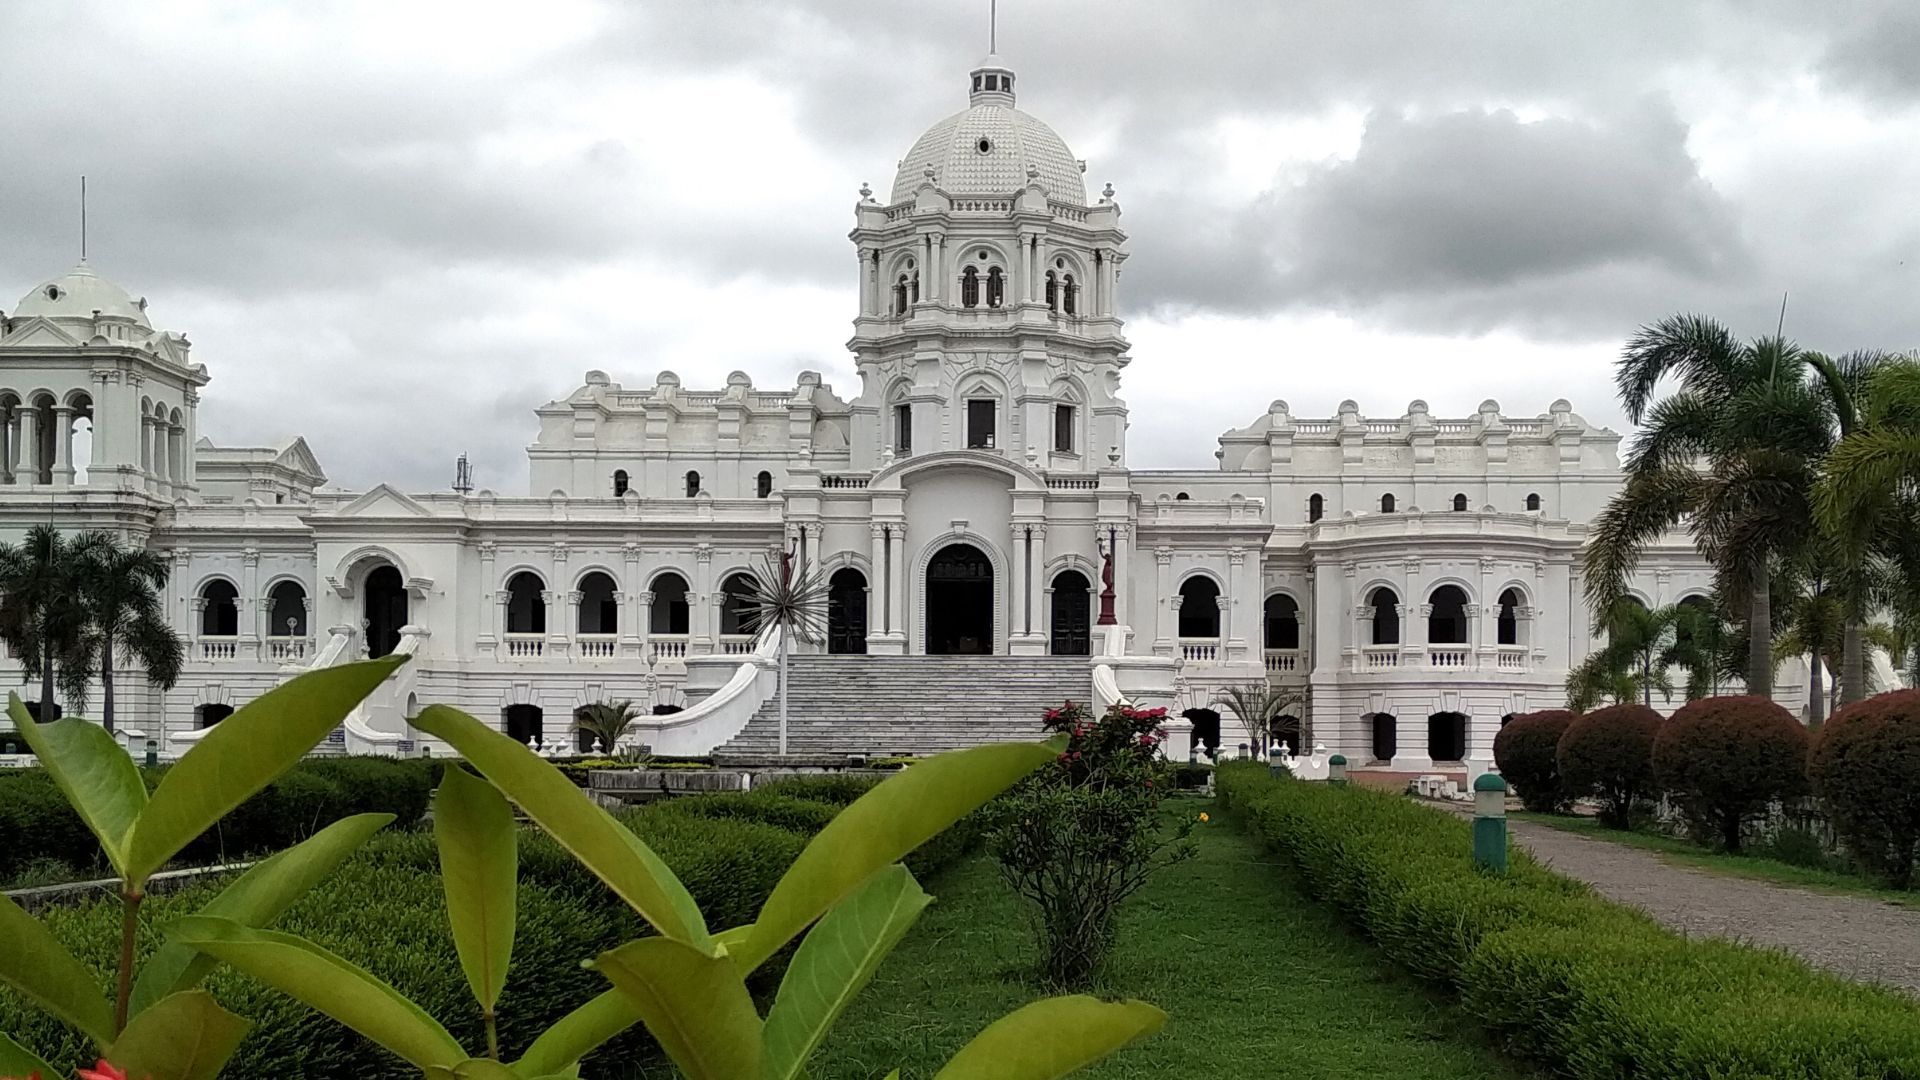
(153, 753)
(1337, 770)
(1490, 823)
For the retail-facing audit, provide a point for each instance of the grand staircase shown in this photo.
(892, 705)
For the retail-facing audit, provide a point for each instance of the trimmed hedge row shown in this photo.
(385, 911)
(1594, 989)
(39, 825)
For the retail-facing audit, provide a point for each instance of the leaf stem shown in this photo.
(493, 1035)
(129, 931)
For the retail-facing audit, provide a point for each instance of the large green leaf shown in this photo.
(185, 1036)
(99, 779)
(34, 963)
(1052, 1038)
(898, 815)
(323, 981)
(256, 898)
(834, 963)
(579, 1033)
(243, 754)
(17, 1060)
(473, 826)
(602, 845)
(695, 1005)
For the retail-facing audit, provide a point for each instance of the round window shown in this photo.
(53, 292)
(983, 256)
(985, 145)
(1059, 264)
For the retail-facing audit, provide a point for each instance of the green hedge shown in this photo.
(1596, 990)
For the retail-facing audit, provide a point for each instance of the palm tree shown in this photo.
(606, 721)
(1258, 704)
(1731, 454)
(41, 615)
(1815, 627)
(119, 588)
(1643, 647)
(792, 601)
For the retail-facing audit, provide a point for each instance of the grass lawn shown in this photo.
(1681, 852)
(1257, 980)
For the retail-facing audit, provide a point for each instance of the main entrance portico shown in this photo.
(959, 602)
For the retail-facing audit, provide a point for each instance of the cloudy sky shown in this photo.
(397, 227)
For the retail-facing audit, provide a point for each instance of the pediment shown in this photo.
(35, 330)
(298, 456)
(383, 500)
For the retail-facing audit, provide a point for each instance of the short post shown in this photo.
(1490, 823)
(1337, 770)
(153, 753)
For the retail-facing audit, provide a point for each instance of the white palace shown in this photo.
(1415, 578)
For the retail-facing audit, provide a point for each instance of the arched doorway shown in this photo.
(386, 609)
(210, 715)
(1386, 736)
(847, 611)
(1072, 614)
(960, 601)
(1447, 736)
(525, 723)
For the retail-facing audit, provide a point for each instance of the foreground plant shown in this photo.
(688, 984)
(1079, 836)
(159, 1025)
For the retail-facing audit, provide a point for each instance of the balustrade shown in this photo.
(218, 650)
(283, 649)
(526, 646)
(1203, 651)
(736, 644)
(1379, 657)
(1283, 659)
(669, 647)
(1513, 658)
(595, 646)
(1447, 658)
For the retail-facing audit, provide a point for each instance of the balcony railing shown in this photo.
(1512, 658)
(1283, 660)
(595, 646)
(526, 646)
(1448, 657)
(736, 644)
(669, 647)
(1379, 657)
(283, 649)
(1200, 650)
(218, 650)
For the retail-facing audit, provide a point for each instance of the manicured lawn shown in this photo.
(1258, 981)
(1681, 852)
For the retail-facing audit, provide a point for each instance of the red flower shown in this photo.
(101, 1071)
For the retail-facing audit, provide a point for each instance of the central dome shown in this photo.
(79, 293)
(986, 149)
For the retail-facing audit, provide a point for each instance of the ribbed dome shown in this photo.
(986, 149)
(79, 293)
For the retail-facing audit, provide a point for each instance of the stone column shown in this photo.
(1413, 626)
(937, 263)
(1017, 588)
(190, 435)
(897, 573)
(643, 623)
(250, 598)
(1162, 592)
(489, 634)
(1233, 618)
(878, 613)
(161, 473)
(1123, 573)
(700, 605)
(62, 445)
(633, 625)
(1037, 622)
(28, 470)
(1486, 636)
(573, 621)
(501, 598)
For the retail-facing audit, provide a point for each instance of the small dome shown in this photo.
(987, 149)
(79, 293)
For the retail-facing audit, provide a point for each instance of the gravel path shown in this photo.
(1856, 936)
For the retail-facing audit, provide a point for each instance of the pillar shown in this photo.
(189, 436)
(1037, 580)
(633, 621)
(700, 608)
(937, 264)
(28, 469)
(643, 623)
(489, 608)
(879, 620)
(897, 588)
(1162, 608)
(250, 597)
(572, 627)
(501, 598)
(63, 445)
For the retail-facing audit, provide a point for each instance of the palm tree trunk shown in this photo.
(1760, 637)
(1646, 683)
(106, 681)
(1816, 693)
(1853, 663)
(783, 691)
(46, 685)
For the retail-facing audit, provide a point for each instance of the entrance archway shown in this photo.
(525, 723)
(386, 610)
(1072, 615)
(960, 601)
(847, 611)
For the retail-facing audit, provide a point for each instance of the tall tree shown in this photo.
(41, 615)
(1642, 649)
(120, 589)
(1732, 454)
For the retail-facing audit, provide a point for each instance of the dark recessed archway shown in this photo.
(959, 601)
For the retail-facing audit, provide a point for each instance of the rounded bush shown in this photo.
(1527, 753)
(1724, 760)
(1863, 768)
(1608, 753)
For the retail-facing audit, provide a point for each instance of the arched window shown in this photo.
(670, 612)
(287, 616)
(1316, 508)
(903, 430)
(619, 483)
(1282, 618)
(900, 295)
(996, 287)
(763, 484)
(1386, 736)
(1508, 622)
(982, 414)
(693, 483)
(1696, 614)
(1066, 293)
(526, 604)
(1447, 736)
(1386, 503)
(219, 609)
(1053, 292)
(970, 287)
(1386, 616)
(1448, 623)
(1180, 496)
(599, 605)
(1199, 608)
(737, 612)
(1460, 503)
(210, 715)
(1533, 502)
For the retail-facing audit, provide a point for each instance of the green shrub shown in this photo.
(37, 825)
(1609, 753)
(803, 816)
(1595, 990)
(839, 789)
(1527, 752)
(1863, 768)
(1725, 760)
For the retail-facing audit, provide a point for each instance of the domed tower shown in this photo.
(987, 319)
(78, 354)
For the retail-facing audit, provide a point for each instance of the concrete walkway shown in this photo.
(1856, 936)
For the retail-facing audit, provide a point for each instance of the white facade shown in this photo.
(1401, 567)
